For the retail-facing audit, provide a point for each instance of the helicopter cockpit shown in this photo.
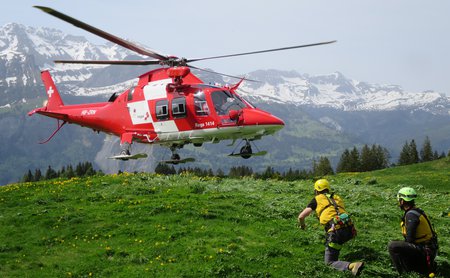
(222, 101)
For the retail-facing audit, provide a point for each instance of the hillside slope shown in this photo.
(138, 225)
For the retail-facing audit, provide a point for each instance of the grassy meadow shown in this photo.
(147, 225)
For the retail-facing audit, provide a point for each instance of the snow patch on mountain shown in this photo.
(331, 123)
(54, 44)
(106, 90)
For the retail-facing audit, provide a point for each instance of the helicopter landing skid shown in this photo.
(177, 161)
(261, 153)
(128, 156)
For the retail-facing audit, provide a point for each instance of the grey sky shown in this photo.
(405, 42)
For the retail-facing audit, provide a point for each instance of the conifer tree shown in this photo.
(355, 161)
(89, 168)
(414, 154)
(37, 175)
(323, 167)
(210, 173)
(50, 174)
(381, 157)
(62, 172)
(69, 172)
(79, 170)
(164, 169)
(344, 162)
(435, 155)
(426, 153)
(268, 173)
(405, 155)
(28, 177)
(367, 159)
(233, 173)
(240, 171)
(289, 175)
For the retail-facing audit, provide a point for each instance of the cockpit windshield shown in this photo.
(224, 101)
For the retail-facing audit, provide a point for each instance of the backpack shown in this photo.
(341, 228)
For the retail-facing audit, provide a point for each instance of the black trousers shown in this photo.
(409, 257)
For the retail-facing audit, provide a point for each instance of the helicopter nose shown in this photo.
(268, 123)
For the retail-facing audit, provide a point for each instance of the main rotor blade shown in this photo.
(103, 34)
(124, 62)
(260, 51)
(218, 73)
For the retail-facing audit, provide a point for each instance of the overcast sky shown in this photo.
(404, 42)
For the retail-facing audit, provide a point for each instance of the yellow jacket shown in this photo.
(325, 210)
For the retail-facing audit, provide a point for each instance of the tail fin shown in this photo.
(54, 99)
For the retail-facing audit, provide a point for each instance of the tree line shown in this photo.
(246, 171)
(410, 155)
(367, 158)
(82, 169)
(377, 157)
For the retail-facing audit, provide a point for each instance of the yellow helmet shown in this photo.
(321, 185)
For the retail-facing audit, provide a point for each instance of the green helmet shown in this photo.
(407, 193)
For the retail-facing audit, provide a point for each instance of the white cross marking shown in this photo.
(50, 92)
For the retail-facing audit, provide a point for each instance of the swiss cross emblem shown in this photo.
(50, 92)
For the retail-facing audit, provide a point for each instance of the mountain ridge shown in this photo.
(336, 91)
(330, 90)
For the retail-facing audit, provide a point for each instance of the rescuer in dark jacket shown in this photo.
(418, 251)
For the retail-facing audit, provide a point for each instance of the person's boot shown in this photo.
(356, 267)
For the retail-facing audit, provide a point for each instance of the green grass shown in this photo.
(145, 225)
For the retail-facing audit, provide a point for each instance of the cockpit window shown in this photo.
(224, 101)
(201, 106)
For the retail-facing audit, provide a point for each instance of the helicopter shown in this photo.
(169, 106)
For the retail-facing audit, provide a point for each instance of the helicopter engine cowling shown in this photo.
(178, 72)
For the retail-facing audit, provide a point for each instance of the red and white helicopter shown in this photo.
(169, 106)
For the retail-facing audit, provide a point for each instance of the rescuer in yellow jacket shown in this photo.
(418, 251)
(331, 212)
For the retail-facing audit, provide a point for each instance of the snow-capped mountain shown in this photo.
(47, 44)
(23, 47)
(336, 91)
(24, 50)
